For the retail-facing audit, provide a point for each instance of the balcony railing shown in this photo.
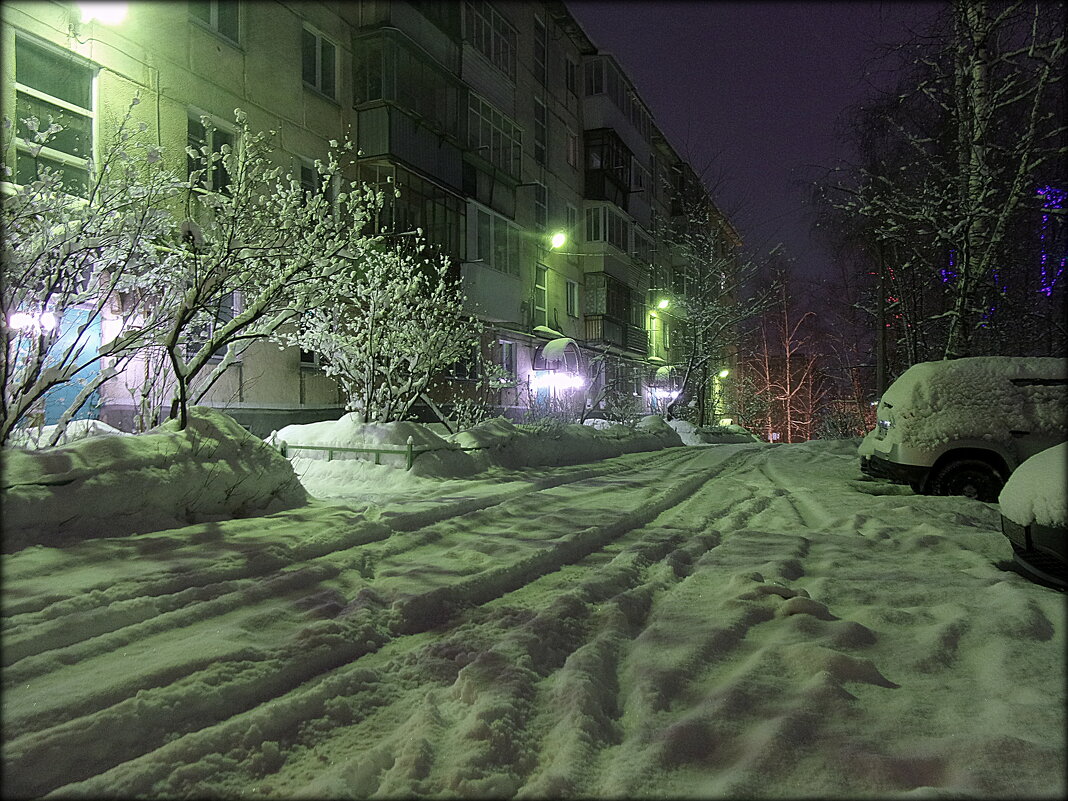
(603, 330)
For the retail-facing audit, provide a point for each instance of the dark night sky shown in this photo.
(757, 90)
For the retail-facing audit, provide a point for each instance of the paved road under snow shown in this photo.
(736, 620)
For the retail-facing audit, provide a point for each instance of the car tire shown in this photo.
(972, 478)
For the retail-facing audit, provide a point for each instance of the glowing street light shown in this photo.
(663, 304)
(106, 13)
(559, 239)
(724, 373)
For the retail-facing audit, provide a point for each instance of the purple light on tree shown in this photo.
(1052, 198)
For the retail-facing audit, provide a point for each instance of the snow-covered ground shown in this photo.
(731, 620)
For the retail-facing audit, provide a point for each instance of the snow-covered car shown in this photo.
(962, 427)
(1034, 514)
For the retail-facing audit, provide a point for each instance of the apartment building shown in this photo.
(502, 124)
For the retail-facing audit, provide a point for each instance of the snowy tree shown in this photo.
(716, 293)
(254, 246)
(952, 164)
(386, 326)
(74, 261)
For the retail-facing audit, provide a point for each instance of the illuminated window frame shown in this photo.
(68, 163)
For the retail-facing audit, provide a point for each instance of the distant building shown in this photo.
(500, 123)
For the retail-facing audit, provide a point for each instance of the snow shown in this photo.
(706, 435)
(212, 469)
(934, 403)
(37, 437)
(738, 620)
(1037, 491)
(555, 348)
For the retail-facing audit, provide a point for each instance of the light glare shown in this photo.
(105, 13)
(558, 240)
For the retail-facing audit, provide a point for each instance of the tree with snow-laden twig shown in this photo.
(74, 257)
(251, 251)
(385, 325)
(956, 168)
(715, 294)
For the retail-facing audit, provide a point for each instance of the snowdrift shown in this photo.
(494, 443)
(707, 435)
(1035, 492)
(113, 485)
(437, 458)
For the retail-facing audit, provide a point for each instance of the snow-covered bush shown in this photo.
(113, 485)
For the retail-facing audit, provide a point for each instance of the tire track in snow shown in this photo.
(104, 609)
(184, 706)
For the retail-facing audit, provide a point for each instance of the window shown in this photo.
(594, 77)
(572, 222)
(571, 75)
(494, 136)
(492, 36)
(572, 148)
(541, 294)
(57, 88)
(541, 207)
(541, 126)
(572, 299)
(319, 62)
(309, 358)
(496, 241)
(541, 53)
(604, 224)
(311, 180)
(215, 314)
(204, 140)
(219, 15)
(593, 225)
(508, 361)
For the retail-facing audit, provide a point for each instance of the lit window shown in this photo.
(219, 15)
(572, 299)
(319, 62)
(54, 88)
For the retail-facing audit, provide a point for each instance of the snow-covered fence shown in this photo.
(410, 451)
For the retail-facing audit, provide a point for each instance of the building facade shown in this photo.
(501, 124)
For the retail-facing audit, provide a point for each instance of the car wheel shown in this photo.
(972, 478)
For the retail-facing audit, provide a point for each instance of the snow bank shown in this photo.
(704, 435)
(493, 443)
(934, 403)
(35, 438)
(1037, 491)
(438, 458)
(500, 443)
(113, 485)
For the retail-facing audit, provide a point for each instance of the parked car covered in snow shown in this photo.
(1034, 514)
(961, 427)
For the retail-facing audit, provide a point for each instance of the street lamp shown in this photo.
(724, 373)
(558, 240)
(663, 304)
